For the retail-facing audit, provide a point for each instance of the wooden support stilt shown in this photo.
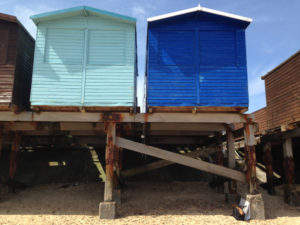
(13, 156)
(109, 161)
(230, 148)
(250, 158)
(288, 164)
(232, 185)
(218, 182)
(269, 167)
(1, 140)
(291, 195)
(220, 155)
(107, 209)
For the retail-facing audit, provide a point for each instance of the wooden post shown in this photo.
(232, 185)
(219, 156)
(1, 140)
(230, 149)
(269, 167)
(109, 161)
(107, 209)
(288, 164)
(13, 156)
(250, 158)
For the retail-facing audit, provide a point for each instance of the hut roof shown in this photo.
(80, 10)
(199, 9)
(280, 65)
(14, 19)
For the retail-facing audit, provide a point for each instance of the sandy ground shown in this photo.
(143, 203)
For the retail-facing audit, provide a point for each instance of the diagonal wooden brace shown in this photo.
(180, 159)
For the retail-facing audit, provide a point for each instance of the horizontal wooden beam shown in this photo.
(180, 133)
(178, 140)
(291, 134)
(123, 117)
(82, 126)
(187, 127)
(180, 159)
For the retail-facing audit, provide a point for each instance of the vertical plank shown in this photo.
(109, 160)
(288, 164)
(269, 167)
(3, 46)
(230, 149)
(1, 140)
(232, 185)
(250, 158)
(219, 153)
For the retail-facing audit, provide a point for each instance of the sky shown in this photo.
(272, 37)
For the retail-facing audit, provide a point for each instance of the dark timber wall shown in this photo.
(16, 59)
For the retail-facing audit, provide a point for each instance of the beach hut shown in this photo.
(85, 59)
(196, 61)
(16, 59)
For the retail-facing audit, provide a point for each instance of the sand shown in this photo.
(143, 203)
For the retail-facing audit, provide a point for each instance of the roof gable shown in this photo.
(9, 18)
(80, 10)
(14, 19)
(199, 9)
(297, 54)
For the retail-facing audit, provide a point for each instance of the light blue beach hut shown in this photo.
(84, 58)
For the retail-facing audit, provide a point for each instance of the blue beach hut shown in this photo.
(196, 60)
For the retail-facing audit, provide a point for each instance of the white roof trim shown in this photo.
(199, 8)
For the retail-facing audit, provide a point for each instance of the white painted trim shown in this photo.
(199, 8)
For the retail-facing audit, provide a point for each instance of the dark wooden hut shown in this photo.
(16, 60)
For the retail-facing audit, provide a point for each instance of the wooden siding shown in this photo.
(7, 67)
(84, 61)
(23, 71)
(261, 118)
(197, 59)
(283, 93)
(16, 67)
